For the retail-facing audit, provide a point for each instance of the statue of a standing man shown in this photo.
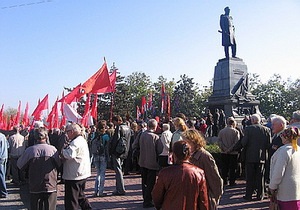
(228, 38)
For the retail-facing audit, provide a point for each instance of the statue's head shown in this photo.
(227, 10)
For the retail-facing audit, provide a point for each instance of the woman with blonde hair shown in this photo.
(284, 187)
(204, 160)
(180, 127)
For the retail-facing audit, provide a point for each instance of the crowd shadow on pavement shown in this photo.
(19, 197)
(232, 199)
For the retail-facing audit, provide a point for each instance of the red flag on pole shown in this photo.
(86, 111)
(99, 80)
(150, 101)
(143, 105)
(25, 120)
(40, 107)
(94, 112)
(71, 96)
(163, 98)
(138, 112)
(17, 118)
(112, 88)
(168, 112)
(2, 117)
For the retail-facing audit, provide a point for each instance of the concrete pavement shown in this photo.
(18, 197)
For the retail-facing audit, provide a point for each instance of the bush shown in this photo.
(213, 148)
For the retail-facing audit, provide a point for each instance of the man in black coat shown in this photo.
(256, 141)
(122, 133)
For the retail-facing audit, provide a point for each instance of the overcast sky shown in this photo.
(46, 45)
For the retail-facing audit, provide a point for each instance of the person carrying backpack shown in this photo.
(99, 149)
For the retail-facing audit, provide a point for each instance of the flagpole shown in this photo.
(111, 106)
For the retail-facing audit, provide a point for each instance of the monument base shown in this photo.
(230, 89)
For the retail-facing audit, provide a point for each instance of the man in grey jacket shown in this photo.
(148, 161)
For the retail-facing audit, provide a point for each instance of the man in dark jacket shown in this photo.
(118, 154)
(43, 161)
(256, 142)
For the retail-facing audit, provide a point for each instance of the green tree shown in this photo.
(273, 96)
(186, 98)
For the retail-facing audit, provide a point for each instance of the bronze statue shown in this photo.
(228, 38)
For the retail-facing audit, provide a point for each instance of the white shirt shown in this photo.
(77, 165)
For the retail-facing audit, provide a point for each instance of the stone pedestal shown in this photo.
(231, 89)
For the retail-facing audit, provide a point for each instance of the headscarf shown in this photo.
(291, 134)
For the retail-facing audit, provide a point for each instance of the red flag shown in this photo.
(86, 111)
(71, 96)
(150, 101)
(25, 120)
(138, 112)
(2, 123)
(99, 80)
(112, 88)
(40, 107)
(168, 112)
(10, 122)
(163, 97)
(17, 118)
(94, 112)
(143, 104)
(63, 121)
(53, 116)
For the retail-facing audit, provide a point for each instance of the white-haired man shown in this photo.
(77, 168)
(278, 124)
(256, 141)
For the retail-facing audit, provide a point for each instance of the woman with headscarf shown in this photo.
(284, 187)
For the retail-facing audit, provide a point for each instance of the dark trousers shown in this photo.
(43, 201)
(229, 167)
(17, 174)
(255, 179)
(74, 195)
(148, 181)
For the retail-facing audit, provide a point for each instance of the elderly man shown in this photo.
(3, 160)
(227, 138)
(16, 149)
(148, 162)
(77, 168)
(43, 161)
(256, 142)
(278, 124)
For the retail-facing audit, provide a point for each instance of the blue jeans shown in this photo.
(117, 164)
(3, 190)
(100, 164)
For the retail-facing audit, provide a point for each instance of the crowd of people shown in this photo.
(177, 172)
